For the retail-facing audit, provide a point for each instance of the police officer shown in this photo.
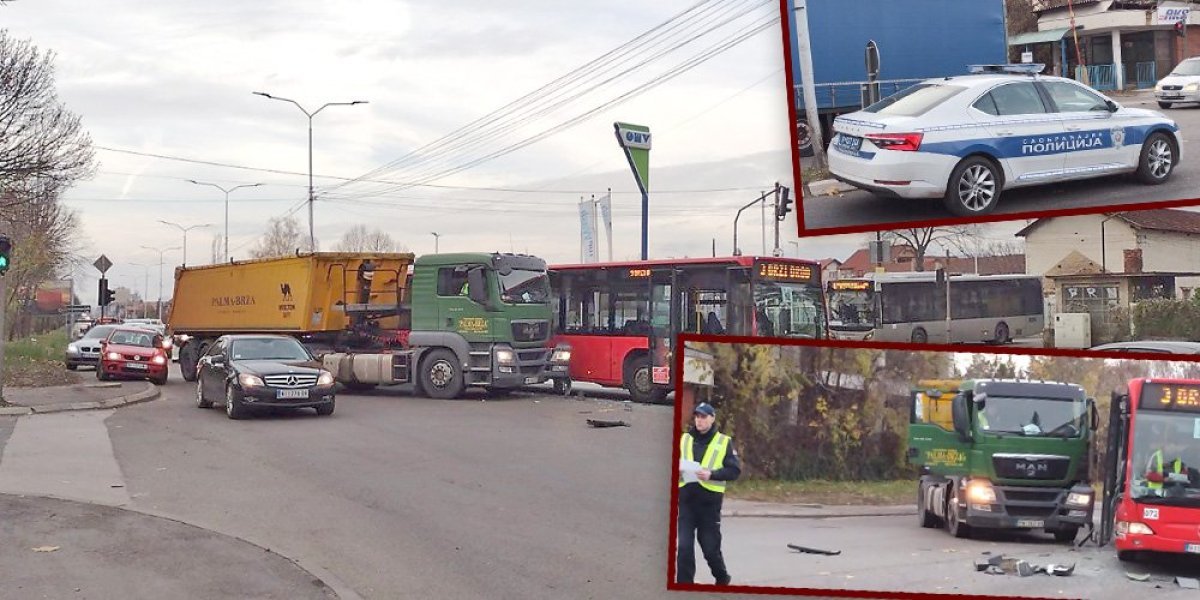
(700, 501)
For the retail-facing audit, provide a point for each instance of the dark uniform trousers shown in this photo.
(700, 520)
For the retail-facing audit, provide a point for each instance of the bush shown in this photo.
(1167, 319)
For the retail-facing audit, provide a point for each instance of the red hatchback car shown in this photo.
(133, 353)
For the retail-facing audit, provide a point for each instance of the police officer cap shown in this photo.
(705, 408)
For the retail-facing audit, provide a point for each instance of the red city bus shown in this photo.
(1152, 486)
(622, 319)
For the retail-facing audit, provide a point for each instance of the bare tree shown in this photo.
(282, 238)
(39, 137)
(45, 241)
(921, 238)
(361, 239)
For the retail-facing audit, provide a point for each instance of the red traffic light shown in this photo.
(1181, 27)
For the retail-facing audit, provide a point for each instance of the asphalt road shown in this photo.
(858, 208)
(895, 553)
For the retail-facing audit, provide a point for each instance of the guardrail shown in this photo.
(853, 94)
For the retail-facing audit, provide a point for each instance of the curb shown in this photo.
(828, 187)
(819, 513)
(149, 393)
(339, 588)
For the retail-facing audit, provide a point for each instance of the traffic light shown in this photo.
(5, 253)
(1181, 27)
(785, 203)
(105, 295)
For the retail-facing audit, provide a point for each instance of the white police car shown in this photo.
(965, 139)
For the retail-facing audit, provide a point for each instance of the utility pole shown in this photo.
(777, 251)
(762, 198)
(3, 331)
(807, 83)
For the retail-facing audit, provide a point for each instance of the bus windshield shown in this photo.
(788, 310)
(1164, 458)
(851, 309)
(1033, 417)
(524, 287)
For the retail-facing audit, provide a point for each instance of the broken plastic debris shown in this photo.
(46, 548)
(1024, 569)
(994, 570)
(807, 550)
(1138, 576)
(1060, 570)
(1188, 583)
(603, 423)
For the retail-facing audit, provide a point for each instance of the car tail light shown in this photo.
(903, 142)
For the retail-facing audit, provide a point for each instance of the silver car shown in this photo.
(85, 351)
(1181, 85)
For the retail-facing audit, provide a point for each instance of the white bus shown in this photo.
(911, 307)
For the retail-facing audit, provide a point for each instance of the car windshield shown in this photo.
(125, 337)
(525, 287)
(914, 101)
(98, 332)
(268, 349)
(1170, 437)
(1187, 68)
(1033, 417)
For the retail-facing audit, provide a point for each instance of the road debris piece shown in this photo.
(1024, 569)
(807, 550)
(1060, 570)
(604, 423)
(1004, 565)
(46, 548)
(1138, 576)
(1188, 583)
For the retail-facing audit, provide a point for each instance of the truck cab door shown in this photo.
(462, 305)
(932, 443)
(664, 322)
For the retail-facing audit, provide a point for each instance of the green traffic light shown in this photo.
(3, 263)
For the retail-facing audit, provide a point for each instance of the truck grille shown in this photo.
(530, 331)
(1038, 466)
(290, 381)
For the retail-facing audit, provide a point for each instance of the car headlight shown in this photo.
(981, 492)
(72, 348)
(1191, 87)
(561, 356)
(1079, 499)
(113, 356)
(159, 359)
(250, 381)
(326, 378)
(505, 356)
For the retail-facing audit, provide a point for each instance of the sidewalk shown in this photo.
(87, 395)
(746, 508)
(62, 549)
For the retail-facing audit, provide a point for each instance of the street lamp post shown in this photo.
(160, 266)
(227, 191)
(436, 237)
(184, 230)
(312, 239)
(146, 289)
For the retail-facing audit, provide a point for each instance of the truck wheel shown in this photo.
(189, 355)
(804, 141)
(441, 375)
(955, 526)
(973, 188)
(1157, 160)
(1066, 534)
(562, 387)
(927, 519)
(639, 382)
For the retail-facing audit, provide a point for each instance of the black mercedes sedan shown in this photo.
(245, 372)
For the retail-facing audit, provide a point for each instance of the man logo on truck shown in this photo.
(286, 290)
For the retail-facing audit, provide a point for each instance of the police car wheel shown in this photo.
(974, 187)
(1157, 160)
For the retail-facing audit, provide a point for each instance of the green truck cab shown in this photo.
(1015, 456)
(484, 320)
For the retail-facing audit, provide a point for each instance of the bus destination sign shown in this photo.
(785, 271)
(850, 286)
(635, 273)
(1175, 397)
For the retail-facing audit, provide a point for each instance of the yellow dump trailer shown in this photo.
(933, 399)
(301, 294)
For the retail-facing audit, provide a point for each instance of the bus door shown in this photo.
(1115, 452)
(740, 301)
(664, 324)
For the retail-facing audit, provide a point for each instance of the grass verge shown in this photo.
(826, 492)
(37, 361)
(811, 174)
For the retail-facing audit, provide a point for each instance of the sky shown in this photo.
(159, 81)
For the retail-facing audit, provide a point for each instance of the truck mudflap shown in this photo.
(1051, 509)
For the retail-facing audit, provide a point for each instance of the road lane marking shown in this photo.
(65, 455)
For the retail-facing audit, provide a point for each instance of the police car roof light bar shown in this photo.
(1025, 68)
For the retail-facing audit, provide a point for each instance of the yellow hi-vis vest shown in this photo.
(1158, 466)
(714, 457)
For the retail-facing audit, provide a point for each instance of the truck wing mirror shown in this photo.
(961, 418)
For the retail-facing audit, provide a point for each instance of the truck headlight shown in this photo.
(505, 356)
(561, 355)
(980, 492)
(250, 381)
(326, 378)
(1078, 499)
